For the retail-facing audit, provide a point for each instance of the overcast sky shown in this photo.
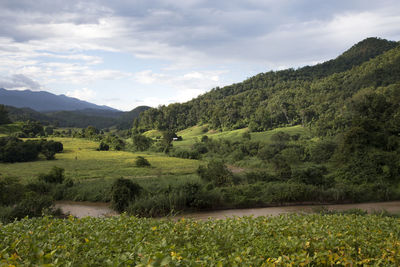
(126, 53)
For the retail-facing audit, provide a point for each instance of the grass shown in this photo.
(81, 161)
(194, 134)
(7, 129)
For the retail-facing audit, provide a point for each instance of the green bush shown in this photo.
(123, 191)
(215, 172)
(32, 205)
(56, 175)
(142, 162)
(103, 147)
(11, 191)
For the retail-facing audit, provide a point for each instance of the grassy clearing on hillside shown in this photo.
(81, 161)
(194, 134)
(7, 129)
(291, 240)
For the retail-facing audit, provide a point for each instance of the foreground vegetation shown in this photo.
(294, 240)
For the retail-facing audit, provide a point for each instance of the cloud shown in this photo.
(195, 81)
(19, 82)
(83, 94)
(61, 42)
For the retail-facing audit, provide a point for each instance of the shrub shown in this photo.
(103, 147)
(32, 205)
(123, 191)
(11, 191)
(215, 172)
(56, 175)
(142, 162)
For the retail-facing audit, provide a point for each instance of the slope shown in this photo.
(288, 97)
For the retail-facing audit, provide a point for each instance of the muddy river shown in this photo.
(83, 209)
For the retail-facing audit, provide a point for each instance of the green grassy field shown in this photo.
(81, 161)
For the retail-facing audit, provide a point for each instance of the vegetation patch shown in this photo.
(291, 240)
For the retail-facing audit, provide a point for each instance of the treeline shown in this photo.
(13, 149)
(100, 119)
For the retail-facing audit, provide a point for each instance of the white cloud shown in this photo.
(61, 42)
(83, 94)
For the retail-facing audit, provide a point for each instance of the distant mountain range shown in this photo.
(45, 101)
(78, 118)
(64, 111)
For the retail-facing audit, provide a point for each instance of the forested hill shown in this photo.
(317, 95)
(79, 118)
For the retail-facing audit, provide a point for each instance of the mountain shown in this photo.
(312, 95)
(79, 118)
(45, 101)
(126, 119)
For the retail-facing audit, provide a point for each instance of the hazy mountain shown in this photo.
(45, 101)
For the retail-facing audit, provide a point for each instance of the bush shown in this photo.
(56, 175)
(313, 175)
(185, 154)
(142, 162)
(103, 147)
(141, 142)
(215, 172)
(123, 191)
(32, 205)
(11, 191)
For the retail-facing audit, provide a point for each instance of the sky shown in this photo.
(127, 53)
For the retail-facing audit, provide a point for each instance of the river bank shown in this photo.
(97, 209)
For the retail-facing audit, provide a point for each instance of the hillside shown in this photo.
(45, 101)
(287, 97)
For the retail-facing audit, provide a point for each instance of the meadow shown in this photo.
(290, 240)
(82, 161)
(193, 134)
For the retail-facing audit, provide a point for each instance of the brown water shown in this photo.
(84, 209)
(392, 207)
(95, 209)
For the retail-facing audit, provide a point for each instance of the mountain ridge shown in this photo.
(43, 101)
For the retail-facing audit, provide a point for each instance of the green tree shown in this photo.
(4, 119)
(141, 142)
(123, 191)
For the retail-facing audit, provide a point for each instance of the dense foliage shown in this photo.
(351, 106)
(296, 240)
(13, 149)
(33, 199)
(4, 119)
(289, 97)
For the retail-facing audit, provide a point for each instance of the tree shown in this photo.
(56, 175)
(4, 115)
(141, 142)
(32, 128)
(123, 191)
(215, 172)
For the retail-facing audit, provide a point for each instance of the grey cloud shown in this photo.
(225, 30)
(19, 81)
